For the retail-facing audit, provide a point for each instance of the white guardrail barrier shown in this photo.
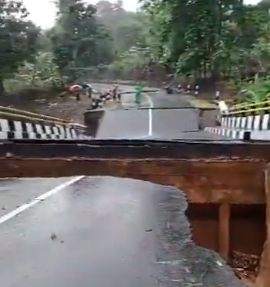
(243, 122)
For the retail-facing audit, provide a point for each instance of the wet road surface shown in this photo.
(107, 232)
(103, 231)
(171, 117)
(15, 192)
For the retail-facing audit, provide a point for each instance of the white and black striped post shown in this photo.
(188, 89)
(197, 88)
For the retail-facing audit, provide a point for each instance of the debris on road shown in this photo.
(245, 265)
(53, 236)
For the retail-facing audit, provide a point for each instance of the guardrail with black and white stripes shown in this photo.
(12, 129)
(21, 124)
(246, 124)
(252, 122)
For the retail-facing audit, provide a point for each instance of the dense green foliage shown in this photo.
(213, 40)
(18, 38)
(210, 38)
(202, 40)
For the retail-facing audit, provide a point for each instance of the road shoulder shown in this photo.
(199, 103)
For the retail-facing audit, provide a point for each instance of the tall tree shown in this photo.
(18, 38)
(205, 38)
(78, 39)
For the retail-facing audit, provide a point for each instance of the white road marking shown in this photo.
(150, 115)
(38, 199)
(150, 111)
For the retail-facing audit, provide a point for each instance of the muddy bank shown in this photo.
(27, 97)
(48, 103)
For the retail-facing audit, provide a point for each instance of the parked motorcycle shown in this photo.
(168, 90)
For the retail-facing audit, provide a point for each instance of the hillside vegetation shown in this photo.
(200, 42)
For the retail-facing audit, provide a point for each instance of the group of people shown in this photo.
(81, 89)
(113, 93)
(116, 93)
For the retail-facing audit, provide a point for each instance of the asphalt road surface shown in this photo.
(170, 118)
(103, 231)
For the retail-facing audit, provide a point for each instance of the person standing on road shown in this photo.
(119, 96)
(115, 90)
(87, 90)
(138, 93)
(77, 90)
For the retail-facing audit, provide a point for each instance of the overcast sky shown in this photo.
(42, 12)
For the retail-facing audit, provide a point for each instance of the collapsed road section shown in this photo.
(226, 183)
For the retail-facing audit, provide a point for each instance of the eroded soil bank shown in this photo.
(48, 103)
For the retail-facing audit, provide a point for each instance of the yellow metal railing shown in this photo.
(16, 114)
(29, 115)
(24, 117)
(246, 108)
(249, 111)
